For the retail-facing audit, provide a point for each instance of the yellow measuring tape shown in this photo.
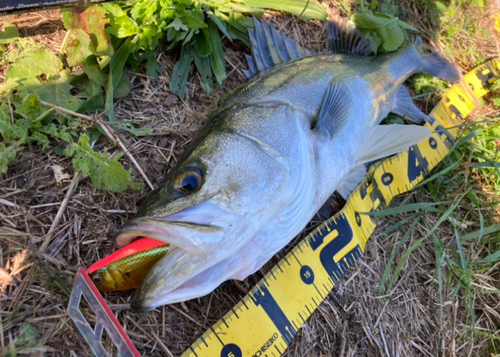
(265, 321)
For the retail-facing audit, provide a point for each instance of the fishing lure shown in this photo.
(125, 268)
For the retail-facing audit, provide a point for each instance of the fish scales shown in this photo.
(272, 154)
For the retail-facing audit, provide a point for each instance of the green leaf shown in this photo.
(143, 10)
(194, 20)
(216, 21)
(30, 107)
(34, 67)
(123, 87)
(401, 243)
(217, 55)
(129, 127)
(41, 139)
(9, 33)
(180, 74)
(76, 53)
(388, 29)
(93, 70)
(149, 37)
(203, 66)
(177, 24)
(248, 10)
(309, 10)
(57, 132)
(94, 98)
(202, 44)
(238, 26)
(27, 336)
(491, 259)
(104, 172)
(114, 10)
(94, 133)
(121, 25)
(119, 59)
(109, 106)
(153, 69)
(477, 235)
(89, 26)
(7, 155)
(410, 207)
(58, 91)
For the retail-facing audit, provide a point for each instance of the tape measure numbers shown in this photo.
(265, 321)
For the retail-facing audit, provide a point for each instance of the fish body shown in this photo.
(272, 154)
(125, 268)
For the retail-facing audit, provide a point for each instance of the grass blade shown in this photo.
(217, 56)
(394, 253)
(398, 225)
(312, 10)
(483, 231)
(411, 207)
(415, 245)
(180, 74)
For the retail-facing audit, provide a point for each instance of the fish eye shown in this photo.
(97, 278)
(188, 181)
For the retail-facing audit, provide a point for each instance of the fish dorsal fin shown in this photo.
(335, 108)
(386, 140)
(269, 48)
(341, 38)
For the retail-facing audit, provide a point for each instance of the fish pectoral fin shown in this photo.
(404, 106)
(270, 48)
(341, 38)
(335, 109)
(351, 181)
(386, 140)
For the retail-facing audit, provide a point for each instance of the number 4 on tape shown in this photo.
(105, 320)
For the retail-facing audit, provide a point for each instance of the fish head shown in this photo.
(207, 208)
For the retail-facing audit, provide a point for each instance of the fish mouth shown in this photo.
(188, 242)
(193, 234)
(149, 295)
(195, 229)
(189, 236)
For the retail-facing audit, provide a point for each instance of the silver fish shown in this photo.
(302, 127)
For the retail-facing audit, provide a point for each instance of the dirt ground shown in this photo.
(354, 320)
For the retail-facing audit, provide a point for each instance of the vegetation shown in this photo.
(43, 91)
(462, 192)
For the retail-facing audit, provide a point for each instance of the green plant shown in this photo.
(36, 75)
(195, 27)
(386, 32)
(44, 94)
(27, 338)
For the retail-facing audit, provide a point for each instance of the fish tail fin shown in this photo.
(438, 66)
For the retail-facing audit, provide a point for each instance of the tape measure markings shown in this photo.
(290, 292)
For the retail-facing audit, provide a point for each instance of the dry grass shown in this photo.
(353, 321)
